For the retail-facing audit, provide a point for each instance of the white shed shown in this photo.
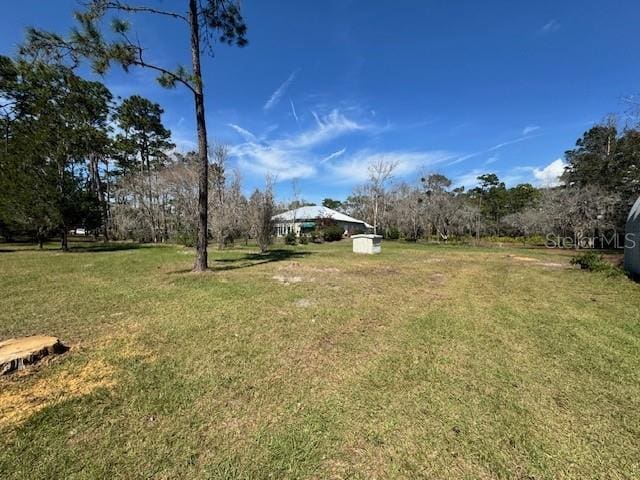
(367, 243)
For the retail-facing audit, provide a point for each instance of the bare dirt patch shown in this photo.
(437, 278)
(521, 259)
(287, 280)
(297, 266)
(304, 303)
(554, 265)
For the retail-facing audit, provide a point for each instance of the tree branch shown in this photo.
(142, 63)
(142, 9)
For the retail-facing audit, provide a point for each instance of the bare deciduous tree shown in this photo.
(261, 211)
(380, 173)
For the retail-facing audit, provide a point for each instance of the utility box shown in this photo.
(367, 243)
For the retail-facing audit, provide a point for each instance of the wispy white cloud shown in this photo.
(469, 179)
(293, 156)
(184, 143)
(246, 134)
(530, 129)
(317, 119)
(334, 155)
(329, 127)
(355, 167)
(549, 176)
(492, 149)
(549, 27)
(293, 111)
(277, 95)
(263, 159)
(491, 160)
(510, 177)
(182, 136)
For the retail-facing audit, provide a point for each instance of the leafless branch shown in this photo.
(124, 7)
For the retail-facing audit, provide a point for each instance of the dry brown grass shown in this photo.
(24, 395)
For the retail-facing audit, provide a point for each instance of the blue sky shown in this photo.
(461, 87)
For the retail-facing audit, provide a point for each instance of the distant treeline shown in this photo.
(73, 157)
(590, 206)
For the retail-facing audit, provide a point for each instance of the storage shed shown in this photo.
(367, 243)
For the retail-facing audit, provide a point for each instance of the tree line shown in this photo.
(73, 156)
(589, 207)
(103, 37)
(51, 176)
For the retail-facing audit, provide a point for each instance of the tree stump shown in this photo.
(17, 353)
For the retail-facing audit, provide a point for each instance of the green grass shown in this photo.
(422, 362)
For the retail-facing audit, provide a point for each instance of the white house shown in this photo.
(305, 219)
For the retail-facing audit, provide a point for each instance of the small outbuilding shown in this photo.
(632, 242)
(367, 243)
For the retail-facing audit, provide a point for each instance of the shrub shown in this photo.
(290, 238)
(332, 233)
(304, 239)
(187, 238)
(228, 240)
(392, 234)
(594, 262)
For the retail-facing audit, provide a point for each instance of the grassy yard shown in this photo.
(421, 362)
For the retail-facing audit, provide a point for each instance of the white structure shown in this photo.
(632, 242)
(306, 218)
(367, 244)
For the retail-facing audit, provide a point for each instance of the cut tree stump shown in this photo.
(17, 353)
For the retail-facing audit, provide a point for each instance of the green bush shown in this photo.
(304, 239)
(188, 238)
(290, 238)
(392, 234)
(332, 233)
(594, 262)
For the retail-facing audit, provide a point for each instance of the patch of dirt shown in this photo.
(19, 400)
(290, 266)
(554, 265)
(382, 270)
(434, 260)
(521, 259)
(299, 266)
(304, 303)
(437, 278)
(535, 261)
(287, 280)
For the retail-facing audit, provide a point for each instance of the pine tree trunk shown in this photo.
(64, 240)
(98, 192)
(203, 160)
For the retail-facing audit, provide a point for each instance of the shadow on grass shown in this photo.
(107, 247)
(251, 260)
(80, 247)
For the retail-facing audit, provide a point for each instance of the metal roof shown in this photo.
(315, 211)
